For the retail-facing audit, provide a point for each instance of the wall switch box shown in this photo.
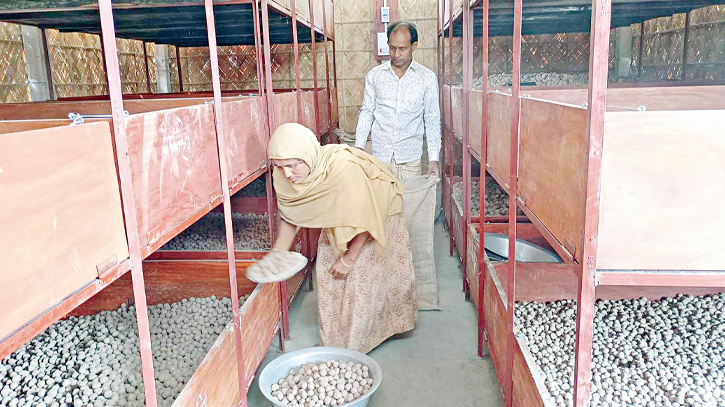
(383, 48)
(384, 14)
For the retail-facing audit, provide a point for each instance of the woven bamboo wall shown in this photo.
(238, 67)
(662, 50)
(13, 75)
(663, 46)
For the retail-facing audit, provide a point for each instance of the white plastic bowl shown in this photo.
(280, 367)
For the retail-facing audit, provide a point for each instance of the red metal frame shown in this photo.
(296, 47)
(641, 48)
(268, 174)
(450, 132)
(685, 46)
(48, 65)
(440, 46)
(115, 92)
(178, 68)
(267, 63)
(482, 185)
(334, 63)
(146, 63)
(314, 68)
(221, 144)
(559, 248)
(598, 72)
(331, 136)
(258, 49)
(134, 264)
(589, 276)
(467, 84)
(513, 187)
(270, 125)
(659, 279)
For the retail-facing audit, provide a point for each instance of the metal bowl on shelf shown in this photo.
(497, 247)
(280, 367)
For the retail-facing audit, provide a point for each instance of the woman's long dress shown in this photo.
(377, 299)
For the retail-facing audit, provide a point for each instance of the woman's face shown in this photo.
(293, 169)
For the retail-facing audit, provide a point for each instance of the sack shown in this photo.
(419, 204)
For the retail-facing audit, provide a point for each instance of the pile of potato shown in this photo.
(541, 79)
(497, 200)
(664, 353)
(323, 384)
(251, 232)
(256, 189)
(95, 360)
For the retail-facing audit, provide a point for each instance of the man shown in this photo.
(400, 106)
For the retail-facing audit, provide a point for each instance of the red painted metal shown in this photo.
(310, 256)
(467, 84)
(641, 49)
(598, 71)
(296, 47)
(284, 311)
(685, 46)
(103, 56)
(450, 133)
(270, 121)
(146, 62)
(246, 181)
(151, 247)
(129, 206)
(513, 188)
(221, 144)
(314, 69)
(178, 68)
(659, 279)
(258, 49)
(558, 247)
(48, 65)
(184, 255)
(334, 64)
(334, 77)
(331, 134)
(280, 337)
(474, 153)
(267, 63)
(441, 81)
(482, 185)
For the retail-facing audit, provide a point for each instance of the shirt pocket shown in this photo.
(413, 100)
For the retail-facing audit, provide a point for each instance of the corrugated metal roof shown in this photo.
(183, 25)
(551, 16)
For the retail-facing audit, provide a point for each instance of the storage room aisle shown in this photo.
(435, 365)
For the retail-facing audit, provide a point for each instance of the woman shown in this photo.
(365, 277)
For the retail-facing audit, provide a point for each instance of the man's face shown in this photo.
(401, 50)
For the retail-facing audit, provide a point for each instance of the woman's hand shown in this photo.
(342, 267)
(285, 236)
(339, 269)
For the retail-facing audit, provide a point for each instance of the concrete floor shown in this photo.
(435, 365)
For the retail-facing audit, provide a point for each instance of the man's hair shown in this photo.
(411, 28)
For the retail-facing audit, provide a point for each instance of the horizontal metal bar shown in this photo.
(559, 248)
(661, 278)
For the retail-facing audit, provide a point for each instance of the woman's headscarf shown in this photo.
(347, 191)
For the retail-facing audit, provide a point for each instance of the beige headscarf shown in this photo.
(346, 193)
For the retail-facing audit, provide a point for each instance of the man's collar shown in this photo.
(413, 65)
